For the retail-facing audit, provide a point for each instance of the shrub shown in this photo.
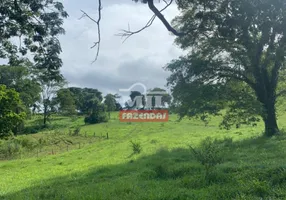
(97, 112)
(161, 170)
(136, 147)
(27, 142)
(209, 154)
(76, 131)
(9, 148)
(96, 118)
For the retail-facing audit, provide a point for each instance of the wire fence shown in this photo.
(16, 151)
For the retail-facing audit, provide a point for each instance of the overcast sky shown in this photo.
(140, 59)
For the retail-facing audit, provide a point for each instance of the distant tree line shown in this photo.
(24, 92)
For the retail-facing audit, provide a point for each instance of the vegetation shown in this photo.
(252, 166)
(97, 112)
(110, 102)
(60, 142)
(237, 60)
(11, 116)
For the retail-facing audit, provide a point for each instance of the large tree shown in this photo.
(65, 101)
(82, 97)
(236, 59)
(36, 23)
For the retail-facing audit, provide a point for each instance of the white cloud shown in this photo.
(140, 58)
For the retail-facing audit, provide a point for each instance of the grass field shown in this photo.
(253, 167)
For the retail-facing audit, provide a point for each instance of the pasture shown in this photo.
(252, 167)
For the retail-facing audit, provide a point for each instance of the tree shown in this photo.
(162, 95)
(37, 25)
(82, 97)
(97, 112)
(49, 90)
(10, 113)
(118, 106)
(110, 103)
(21, 79)
(137, 100)
(236, 58)
(66, 102)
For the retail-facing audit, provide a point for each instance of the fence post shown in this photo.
(107, 137)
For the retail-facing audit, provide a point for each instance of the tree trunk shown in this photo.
(270, 121)
(45, 115)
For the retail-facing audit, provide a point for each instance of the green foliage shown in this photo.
(9, 148)
(162, 93)
(66, 102)
(11, 115)
(132, 103)
(253, 169)
(136, 147)
(49, 89)
(161, 170)
(27, 142)
(110, 102)
(97, 112)
(209, 154)
(83, 97)
(21, 79)
(76, 131)
(37, 24)
(245, 48)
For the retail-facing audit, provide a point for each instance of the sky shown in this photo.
(140, 59)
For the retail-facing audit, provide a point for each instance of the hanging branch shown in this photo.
(97, 22)
(128, 33)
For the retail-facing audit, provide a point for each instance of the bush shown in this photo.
(27, 142)
(9, 148)
(76, 132)
(136, 147)
(96, 118)
(161, 170)
(209, 154)
(97, 112)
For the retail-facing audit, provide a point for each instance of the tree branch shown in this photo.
(97, 22)
(128, 33)
(162, 18)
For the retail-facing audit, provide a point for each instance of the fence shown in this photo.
(18, 152)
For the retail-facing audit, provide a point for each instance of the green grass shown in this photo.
(254, 167)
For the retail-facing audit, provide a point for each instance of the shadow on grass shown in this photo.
(175, 175)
